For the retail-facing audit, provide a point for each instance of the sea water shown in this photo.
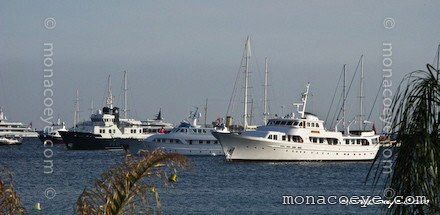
(210, 186)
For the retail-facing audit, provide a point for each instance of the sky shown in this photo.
(180, 53)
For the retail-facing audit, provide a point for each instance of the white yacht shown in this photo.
(187, 139)
(107, 130)
(299, 139)
(14, 129)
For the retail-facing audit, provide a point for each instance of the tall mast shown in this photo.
(265, 113)
(344, 98)
(91, 107)
(438, 56)
(76, 112)
(361, 96)
(246, 74)
(206, 111)
(109, 99)
(125, 95)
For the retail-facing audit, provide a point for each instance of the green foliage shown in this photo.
(130, 188)
(415, 163)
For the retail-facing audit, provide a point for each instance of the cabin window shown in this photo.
(277, 122)
(275, 137)
(215, 141)
(317, 125)
(109, 131)
(269, 137)
(308, 124)
(358, 141)
(321, 140)
(182, 130)
(200, 141)
(289, 138)
(295, 123)
(195, 130)
(347, 141)
(283, 122)
(204, 131)
(283, 137)
(289, 123)
(190, 142)
(208, 142)
(177, 141)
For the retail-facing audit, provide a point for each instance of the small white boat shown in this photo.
(9, 140)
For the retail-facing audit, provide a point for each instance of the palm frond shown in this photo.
(415, 121)
(125, 188)
(10, 202)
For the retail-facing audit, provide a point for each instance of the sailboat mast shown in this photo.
(76, 112)
(125, 95)
(246, 76)
(344, 99)
(265, 93)
(361, 96)
(206, 111)
(438, 56)
(91, 107)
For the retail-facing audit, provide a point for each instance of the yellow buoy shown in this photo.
(38, 206)
(173, 177)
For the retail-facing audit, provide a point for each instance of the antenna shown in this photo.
(109, 99)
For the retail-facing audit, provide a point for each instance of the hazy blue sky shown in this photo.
(178, 53)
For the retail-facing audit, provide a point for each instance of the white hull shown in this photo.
(10, 141)
(237, 147)
(19, 134)
(184, 149)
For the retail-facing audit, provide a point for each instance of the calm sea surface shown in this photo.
(211, 186)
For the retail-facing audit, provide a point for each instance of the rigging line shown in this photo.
(334, 95)
(351, 83)
(375, 99)
(237, 79)
(336, 110)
